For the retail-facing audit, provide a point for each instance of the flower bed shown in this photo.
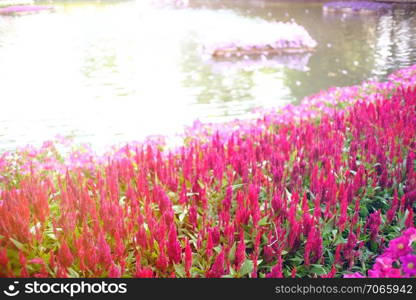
(23, 9)
(314, 190)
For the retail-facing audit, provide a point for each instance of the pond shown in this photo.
(109, 72)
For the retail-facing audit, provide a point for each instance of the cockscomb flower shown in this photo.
(144, 273)
(276, 271)
(209, 245)
(268, 253)
(309, 246)
(114, 271)
(410, 218)
(162, 262)
(240, 254)
(23, 262)
(293, 272)
(3, 257)
(173, 248)
(411, 196)
(188, 258)
(65, 256)
(373, 224)
(217, 269)
(215, 235)
(395, 204)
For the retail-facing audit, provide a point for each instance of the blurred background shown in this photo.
(107, 72)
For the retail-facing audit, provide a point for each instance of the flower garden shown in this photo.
(23, 9)
(323, 189)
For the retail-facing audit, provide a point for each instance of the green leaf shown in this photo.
(231, 254)
(264, 221)
(318, 269)
(363, 212)
(180, 270)
(218, 249)
(177, 209)
(297, 259)
(18, 244)
(247, 267)
(195, 270)
(340, 240)
(201, 184)
(293, 156)
(232, 271)
(183, 215)
(403, 219)
(73, 273)
(52, 236)
(237, 186)
(373, 246)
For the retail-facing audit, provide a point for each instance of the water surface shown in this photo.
(122, 70)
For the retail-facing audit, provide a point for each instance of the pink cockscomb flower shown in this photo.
(409, 264)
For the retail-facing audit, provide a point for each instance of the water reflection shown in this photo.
(117, 71)
(395, 42)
